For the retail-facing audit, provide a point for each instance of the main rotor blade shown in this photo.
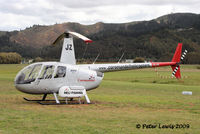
(66, 34)
(59, 38)
(85, 39)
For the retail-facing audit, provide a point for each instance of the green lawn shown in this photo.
(123, 100)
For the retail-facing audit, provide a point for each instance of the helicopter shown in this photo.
(70, 80)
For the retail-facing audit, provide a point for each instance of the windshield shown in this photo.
(47, 72)
(29, 74)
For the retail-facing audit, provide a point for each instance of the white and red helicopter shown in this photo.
(72, 81)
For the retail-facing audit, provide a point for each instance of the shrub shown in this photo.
(139, 59)
(38, 59)
(10, 58)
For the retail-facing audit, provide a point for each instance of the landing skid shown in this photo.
(43, 101)
(61, 102)
(39, 100)
(43, 98)
(53, 102)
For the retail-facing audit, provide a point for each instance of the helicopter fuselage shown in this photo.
(49, 77)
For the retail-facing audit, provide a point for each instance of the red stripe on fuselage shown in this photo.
(87, 80)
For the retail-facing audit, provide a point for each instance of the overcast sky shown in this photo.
(19, 14)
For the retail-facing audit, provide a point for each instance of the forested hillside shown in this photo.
(154, 40)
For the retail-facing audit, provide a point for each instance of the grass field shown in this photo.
(123, 100)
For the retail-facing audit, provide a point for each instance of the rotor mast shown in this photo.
(68, 52)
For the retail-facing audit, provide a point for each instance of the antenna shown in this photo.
(121, 57)
(84, 51)
(96, 58)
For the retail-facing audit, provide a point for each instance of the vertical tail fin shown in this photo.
(177, 58)
(67, 54)
(177, 54)
(176, 71)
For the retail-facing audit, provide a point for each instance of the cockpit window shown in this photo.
(61, 72)
(29, 74)
(47, 72)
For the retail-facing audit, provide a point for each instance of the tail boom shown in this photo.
(161, 64)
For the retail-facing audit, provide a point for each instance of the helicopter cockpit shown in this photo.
(28, 74)
(37, 71)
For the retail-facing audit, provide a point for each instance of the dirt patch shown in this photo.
(175, 110)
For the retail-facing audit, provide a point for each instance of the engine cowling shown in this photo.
(89, 79)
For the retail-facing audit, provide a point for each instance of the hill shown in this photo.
(155, 39)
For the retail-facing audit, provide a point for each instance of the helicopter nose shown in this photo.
(22, 88)
(19, 87)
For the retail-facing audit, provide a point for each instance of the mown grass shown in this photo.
(124, 99)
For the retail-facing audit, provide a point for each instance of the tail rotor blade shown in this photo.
(183, 55)
(178, 59)
(175, 70)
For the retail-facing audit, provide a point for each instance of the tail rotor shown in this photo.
(183, 55)
(176, 68)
